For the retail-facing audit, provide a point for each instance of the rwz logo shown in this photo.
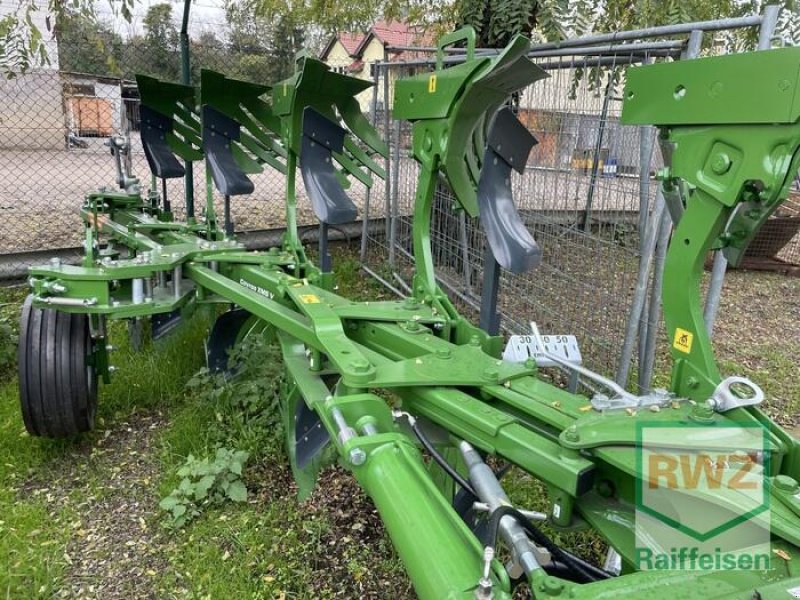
(701, 493)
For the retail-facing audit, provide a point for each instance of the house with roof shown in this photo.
(355, 53)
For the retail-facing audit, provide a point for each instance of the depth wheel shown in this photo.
(57, 381)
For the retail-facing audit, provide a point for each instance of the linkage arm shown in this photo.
(730, 127)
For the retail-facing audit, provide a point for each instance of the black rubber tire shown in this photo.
(57, 383)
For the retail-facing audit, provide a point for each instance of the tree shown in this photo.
(286, 41)
(208, 52)
(22, 41)
(86, 45)
(496, 21)
(262, 48)
(160, 48)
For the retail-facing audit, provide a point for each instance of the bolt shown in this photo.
(111, 368)
(444, 353)
(357, 457)
(474, 341)
(359, 366)
(572, 435)
(412, 325)
(605, 488)
(703, 413)
(109, 348)
(411, 303)
(491, 375)
(785, 483)
(55, 262)
(721, 163)
(693, 383)
(552, 586)
(663, 174)
(484, 589)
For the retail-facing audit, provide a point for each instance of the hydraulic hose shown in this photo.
(585, 570)
(439, 459)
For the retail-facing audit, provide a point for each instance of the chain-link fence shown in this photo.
(54, 125)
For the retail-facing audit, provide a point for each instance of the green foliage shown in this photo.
(86, 45)
(23, 44)
(8, 345)
(497, 21)
(246, 405)
(161, 43)
(206, 483)
(245, 415)
(264, 34)
(260, 49)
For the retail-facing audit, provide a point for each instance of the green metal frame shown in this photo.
(736, 154)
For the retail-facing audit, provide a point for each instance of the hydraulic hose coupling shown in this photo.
(489, 490)
(484, 590)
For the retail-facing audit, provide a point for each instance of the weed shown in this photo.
(206, 483)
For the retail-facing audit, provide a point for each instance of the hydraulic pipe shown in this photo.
(442, 556)
(491, 492)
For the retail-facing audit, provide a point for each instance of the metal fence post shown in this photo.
(596, 159)
(186, 79)
(647, 360)
(388, 168)
(646, 143)
(393, 199)
(640, 293)
(365, 217)
(467, 267)
(489, 319)
(653, 314)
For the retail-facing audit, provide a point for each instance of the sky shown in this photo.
(205, 14)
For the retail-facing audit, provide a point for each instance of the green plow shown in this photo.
(423, 456)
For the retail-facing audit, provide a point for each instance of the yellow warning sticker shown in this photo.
(683, 340)
(309, 299)
(431, 84)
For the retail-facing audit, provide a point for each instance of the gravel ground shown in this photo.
(115, 551)
(41, 193)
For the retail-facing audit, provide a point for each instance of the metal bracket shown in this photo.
(659, 397)
(724, 398)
